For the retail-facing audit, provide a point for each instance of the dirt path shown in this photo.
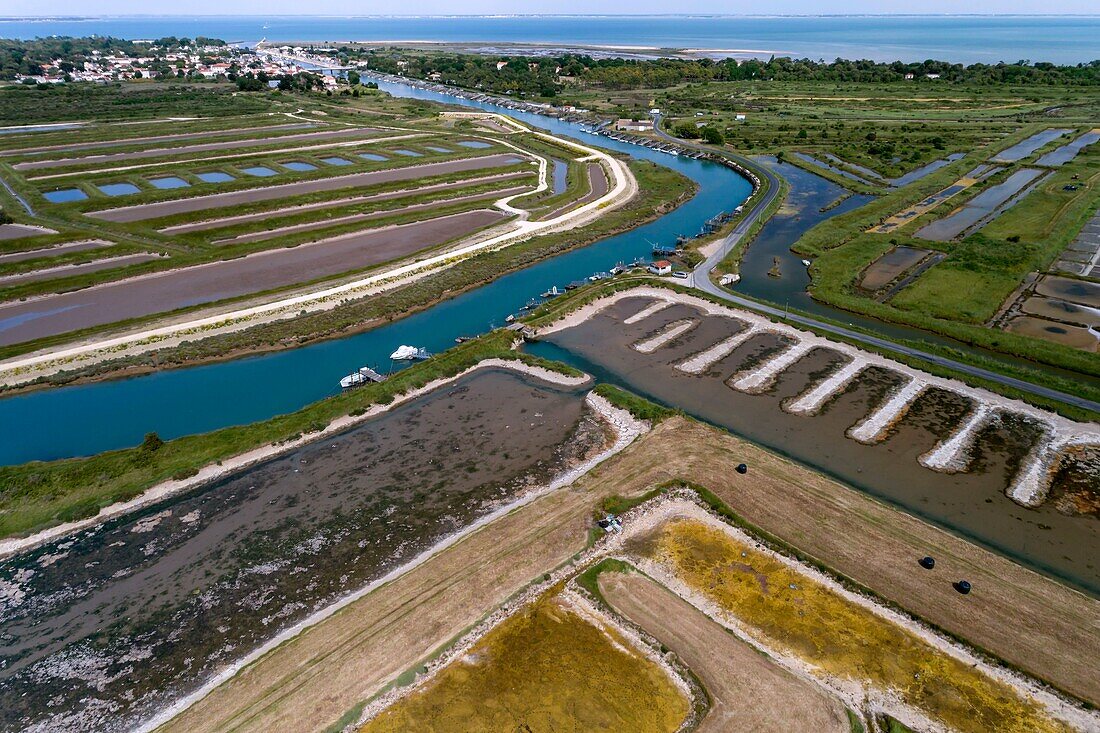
(748, 692)
(313, 679)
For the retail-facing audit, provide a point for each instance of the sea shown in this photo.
(956, 38)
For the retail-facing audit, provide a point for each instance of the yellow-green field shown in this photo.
(545, 669)
(838, 637)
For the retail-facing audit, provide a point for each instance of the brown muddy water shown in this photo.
(972, 504)
(102, 628)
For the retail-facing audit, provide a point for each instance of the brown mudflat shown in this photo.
(748, 691)
(597, 186)
(142, 212)
(309, 682)
(264, 547)
(972, 503)
(173, 289)
(19, 231)
(889, 266)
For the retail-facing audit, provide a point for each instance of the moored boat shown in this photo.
(409, 353)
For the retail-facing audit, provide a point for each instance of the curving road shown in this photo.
(700, 280)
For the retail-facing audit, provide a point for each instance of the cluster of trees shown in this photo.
(546, 76)
(663, 73)
(519, 76)
(690, 131)
(256, 82)
(27, 57)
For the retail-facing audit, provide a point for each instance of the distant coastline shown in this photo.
(957, 38)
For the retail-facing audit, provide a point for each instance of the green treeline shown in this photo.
(546, 76)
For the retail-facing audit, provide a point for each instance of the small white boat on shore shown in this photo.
(410, 353)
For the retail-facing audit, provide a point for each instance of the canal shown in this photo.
(116, 414)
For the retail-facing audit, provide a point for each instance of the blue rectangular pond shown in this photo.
(214, 177)
(169, 182)
(372, 156)
(436, 149)
(336, 161)
(410, 153)
(65, 195)
(298, 165)
(474, 144)
(258, 170)
(117, 189)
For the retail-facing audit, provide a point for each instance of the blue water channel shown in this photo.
(87, 419)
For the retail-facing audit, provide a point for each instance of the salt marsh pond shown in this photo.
(105, 626)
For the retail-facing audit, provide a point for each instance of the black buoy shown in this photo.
(963, 586)
(742, 468)
(927, 562)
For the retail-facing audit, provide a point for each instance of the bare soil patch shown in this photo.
(747, 690)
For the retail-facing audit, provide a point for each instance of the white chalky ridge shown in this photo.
(1028, 487)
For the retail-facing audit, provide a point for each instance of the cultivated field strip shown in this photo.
(368, 216)
(154, 139)
(9, 232)
(748, 691)
(185, 150)
(207, 283)
(143, 212)
(56, 250)
(83, 268)
(229, 221)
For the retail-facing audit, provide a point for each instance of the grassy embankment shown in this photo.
(956, 297)
(660, 190)
(891, 128)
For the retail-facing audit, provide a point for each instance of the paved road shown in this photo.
(700, 279)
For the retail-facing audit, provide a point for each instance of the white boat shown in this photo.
(408, 353)
(365, 375)
(806, 263)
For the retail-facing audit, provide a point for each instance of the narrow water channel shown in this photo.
(109, 415)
